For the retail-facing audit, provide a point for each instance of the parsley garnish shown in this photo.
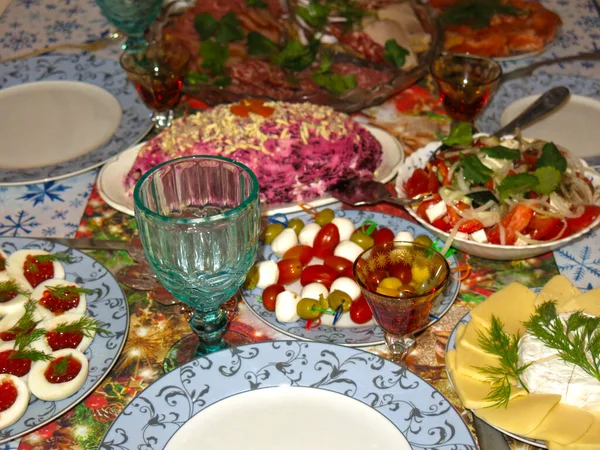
(474, 169)
(461, 134)
(436, 116)
(222, 80)
(259, 4)
(552, 157)
(228, 29)
(205, 25)
(333, 82)
(315, 14)
(394, 53)
(548, 180)
(501, 152)
(258, 44)
(84, 324)
(295, 56)
(517, 184)
(480, 198)
(496, 341)
(478, 13)
(193, 77)
(214, 55)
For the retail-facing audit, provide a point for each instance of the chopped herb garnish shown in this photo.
(295, 56)
(84, 324)
(258, 44)
(215, 55)
(193, 77)
(258, 4)
(349, 10)
(228, 29)
(334, 82)
(222, 80)
(394, 53)
(517, 184)
(205, 25)
(501, 152)
(474, 169)
(478, 13)
(552, 157)
(315, 14)
(498, 342)
(461, 134)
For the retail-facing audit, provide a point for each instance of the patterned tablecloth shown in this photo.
(73, 206)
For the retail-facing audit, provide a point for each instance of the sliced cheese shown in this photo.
(558, 289)
(512, 305)
(563, 425)
(460, 331)
(472, 392)
(522, 415)
(468, 360)
(589, 441)
(588, 303)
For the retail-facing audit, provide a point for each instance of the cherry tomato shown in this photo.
(337, 263)
(360, 312)
(289, 270)
(270, 295)
(318, 273)
(585, 220)
(326, 240)
(541, 227)
(303, 253)
(402, 272)
(383, 235)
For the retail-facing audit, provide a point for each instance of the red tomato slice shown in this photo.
(270, 295)
(383, 235)
(470, 226)
(517, 219)
(360, 312)
(443, 172)
(326, 240)
(424, 206)
(289, 270)
(303, 253)
(541, 226)
(318, 273)
(417, 183)
(585, 220)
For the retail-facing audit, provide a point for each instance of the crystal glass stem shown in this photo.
(209, 326)
(162, 119)
(135, 43)
(399, 346)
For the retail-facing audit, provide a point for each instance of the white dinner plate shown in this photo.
(111, 185)
(575, 125)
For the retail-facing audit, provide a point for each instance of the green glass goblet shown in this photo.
(199, 221)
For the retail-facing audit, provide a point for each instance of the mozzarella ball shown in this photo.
(44, 312)
(345, 227)
(404, 236)
(285, 306)
(13, 305)
(284, 241)
(50, 325)
(347, 285)
(18, 408)
(268, 273)
(44, 390)
(348, 250)
(16, 262)
(314, 291)
(309, 233)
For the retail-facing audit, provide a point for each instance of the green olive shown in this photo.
(306, 308)
(337, 298)
(324, 217)
(251, 278)
(272, 231)
(296, 225)
(424, 240)
(360, 238)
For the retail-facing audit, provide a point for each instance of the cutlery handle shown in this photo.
(547, 103)
(528, 70)
(90, 244)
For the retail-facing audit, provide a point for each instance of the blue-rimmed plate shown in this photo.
(87, 68)
(292, 395)
(108, 305)
(359, 336)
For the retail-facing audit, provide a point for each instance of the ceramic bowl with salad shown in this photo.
(501, 198)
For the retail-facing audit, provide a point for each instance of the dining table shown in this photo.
(73, 207)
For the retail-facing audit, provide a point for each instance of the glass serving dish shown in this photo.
(351, 100)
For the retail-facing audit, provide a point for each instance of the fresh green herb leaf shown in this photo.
(461, 134)
(480, 198)
(576, 341)
(552, 157)
(350, 10)
(501, 152)
(477, 13)
(335, 83)
(498, 342)
(84, 324)
(9, 290)
(193, 77)
(315, 14)
(214, 55)
(60, 257)
(517, 184)
(436, 116)
(548, 180)
(474, 169)
(205, 25)
(258, 4)
(295, 56)
(394, 53)
(32, 355)
(60, 366)
(229, 29)
(326, 62)
(222, 81)
(258, 44)
(22, 341)
(25, 331)
(66, 292)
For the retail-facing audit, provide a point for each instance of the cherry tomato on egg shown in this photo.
(303, 253)
(289, 270)
(318, 273)
(326, 241)
(360, 312)
(383, 235)
(269, 296)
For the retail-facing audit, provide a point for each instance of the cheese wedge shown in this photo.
(512, 305)
(559, 289)
(563, 425)
(588, 303)
(522, 415)
(471, 391)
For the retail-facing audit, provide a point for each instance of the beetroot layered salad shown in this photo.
(297, 150)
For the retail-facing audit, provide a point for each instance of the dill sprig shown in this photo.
(84, 324)
(10, 287)
(25, 331)
(31, 354)
(576, 339)
(59, 368)
(31, 264)
(66, 292)
(498, 342)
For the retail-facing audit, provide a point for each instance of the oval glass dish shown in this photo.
(287, 85)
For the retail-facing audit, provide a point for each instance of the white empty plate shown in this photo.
(51, 122)
(575, 125)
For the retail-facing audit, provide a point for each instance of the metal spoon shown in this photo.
(359, 192)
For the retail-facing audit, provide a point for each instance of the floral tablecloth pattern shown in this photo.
(73, 205)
